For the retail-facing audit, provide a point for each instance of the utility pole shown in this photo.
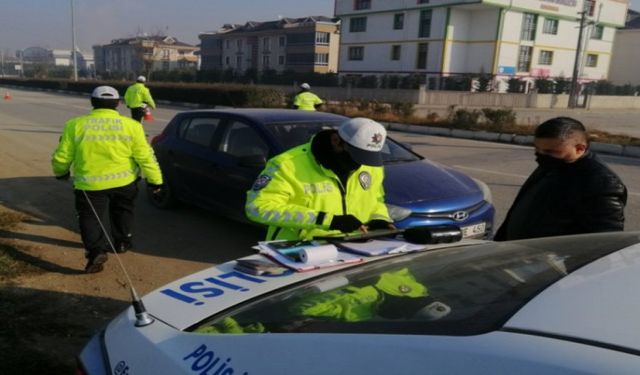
(73, 42)
(573, 88)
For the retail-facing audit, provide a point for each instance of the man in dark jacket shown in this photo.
(572, 191)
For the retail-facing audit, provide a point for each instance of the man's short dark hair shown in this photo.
(560, 128)
(104, 103)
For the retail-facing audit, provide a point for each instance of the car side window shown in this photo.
(241, 140)
(199, 130)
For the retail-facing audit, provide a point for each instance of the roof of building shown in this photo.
(163, 39)
(252, 26)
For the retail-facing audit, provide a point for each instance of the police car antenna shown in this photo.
(142, 317)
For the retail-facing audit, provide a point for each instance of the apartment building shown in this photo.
(54, 57)
(506, 38)
(143, 54)
(308, 44)
(625, 58)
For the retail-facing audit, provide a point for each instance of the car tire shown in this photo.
(163, 200)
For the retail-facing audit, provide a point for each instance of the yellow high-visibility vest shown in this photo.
(307, 101)
(105, 150)
(137, 95)
(298, 198)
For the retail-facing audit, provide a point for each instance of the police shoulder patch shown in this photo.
(365, 180)
(262, 181)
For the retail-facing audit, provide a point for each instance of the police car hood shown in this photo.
(598, 303)
(198, 296)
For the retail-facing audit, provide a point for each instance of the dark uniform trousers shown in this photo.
(137, 113)
(120, 203)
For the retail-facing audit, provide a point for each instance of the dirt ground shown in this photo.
(48, 307)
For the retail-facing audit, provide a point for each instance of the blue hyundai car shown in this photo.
(210, 158)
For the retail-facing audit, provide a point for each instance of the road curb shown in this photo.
(523, 140)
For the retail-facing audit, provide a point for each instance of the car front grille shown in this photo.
(457, 215)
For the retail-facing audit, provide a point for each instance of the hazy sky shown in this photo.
(47, 23)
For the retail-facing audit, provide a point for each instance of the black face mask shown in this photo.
(345, 162)
(549, 162)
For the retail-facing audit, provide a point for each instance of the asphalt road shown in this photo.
(31, 122)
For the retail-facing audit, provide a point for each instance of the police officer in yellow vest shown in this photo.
(107, 152)
(330, 185)
(306, 100)
(137, 97)
(395, 295)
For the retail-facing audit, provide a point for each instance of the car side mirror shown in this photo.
(252, 161)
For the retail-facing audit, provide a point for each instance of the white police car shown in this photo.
(563, 305)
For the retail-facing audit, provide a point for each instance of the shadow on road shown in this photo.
(30, 344)
(186, 233)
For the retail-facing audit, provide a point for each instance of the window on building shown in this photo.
(398, 21)
(227, 60)
(424, 30)
(300, 39)
(423, 1)
(545, 58)
(358, 24)
(266, 61)
(597, 32)
(228, 43)
(524, 58)
(165, 54)
(356, 53)
(282, 41)
(239, 62)
(322, 38)
(239, 45)
(592, 60)
(362, 4)
(529, 25)
(395, 51)
(550, 26)
(266, 44)
(322, 59)
(300, 58)
(281, 60)
(423, 49)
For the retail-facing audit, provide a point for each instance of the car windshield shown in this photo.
(464, 290)
(291, 134)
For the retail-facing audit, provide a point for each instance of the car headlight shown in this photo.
(398, 213)
(486, 192)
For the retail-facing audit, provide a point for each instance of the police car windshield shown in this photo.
(465, 290)
(291, 134)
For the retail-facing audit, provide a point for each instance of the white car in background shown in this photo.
(562, 305)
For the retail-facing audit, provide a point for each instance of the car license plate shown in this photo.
(475, 230)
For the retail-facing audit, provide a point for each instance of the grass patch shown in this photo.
(39, 329)
(497, 121)
(10, 263)
(11, 219)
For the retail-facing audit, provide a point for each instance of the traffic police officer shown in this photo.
(306, 100)
(330, 185)
(137, 97)
(107, 151)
